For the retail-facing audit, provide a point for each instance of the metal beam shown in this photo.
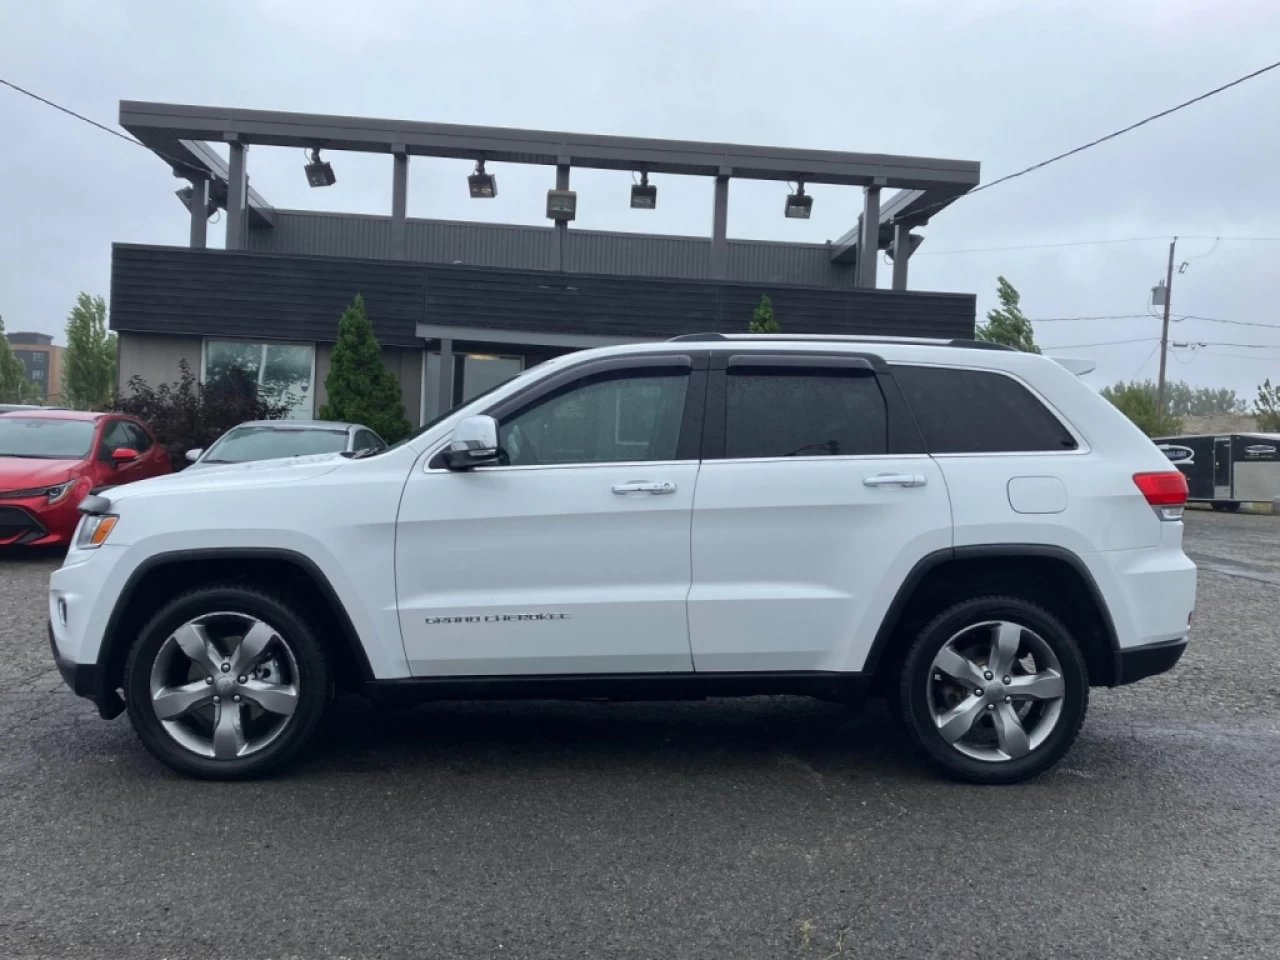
(156, 123)
(869, 248)
(399, 205)
(199, 213)
(445, 386)
(523, 338)
(237, 189)
(912, 207)
(901, 255)
(719, 231)
(562, 226)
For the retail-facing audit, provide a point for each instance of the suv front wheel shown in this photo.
(226, 682)
(994, 690)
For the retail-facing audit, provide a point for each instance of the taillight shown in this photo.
(1166, 492)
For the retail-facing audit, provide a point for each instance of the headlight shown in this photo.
(60, 491)
(94, 530)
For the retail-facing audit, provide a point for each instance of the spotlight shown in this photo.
(562, 205)
(319, 172)
(643, 196)
(185, 195)
(913, 240)
(798, 205)
(483, 186)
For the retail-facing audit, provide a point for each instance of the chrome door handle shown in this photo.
(896, 479)
(645, 486)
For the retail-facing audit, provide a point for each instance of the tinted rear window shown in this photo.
(976, 411)
(785, 413)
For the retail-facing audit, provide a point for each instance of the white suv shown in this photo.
(972, 532)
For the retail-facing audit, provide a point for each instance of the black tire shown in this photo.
(913, 690)
(1226, 506)
(312, 680)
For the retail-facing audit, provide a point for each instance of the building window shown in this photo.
(284, 372)
(473, 374)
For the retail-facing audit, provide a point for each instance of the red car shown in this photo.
(51, 459)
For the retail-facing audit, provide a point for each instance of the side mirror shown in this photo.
(474, 443)
(122, 455)
(194, 454)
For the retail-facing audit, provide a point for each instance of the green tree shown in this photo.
(360, 388)
(763, 320)
(89, 364)
(1138, 403)
(1267, 407)
(14, 385)
(1008, 324)
(1184, 400)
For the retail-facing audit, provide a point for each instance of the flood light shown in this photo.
(643, 196)
(319, 172)
(187, 193)
(798, 205)
(483, 186)
(562, 205)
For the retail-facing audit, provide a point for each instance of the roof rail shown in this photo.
(980, 345)
(835, 338)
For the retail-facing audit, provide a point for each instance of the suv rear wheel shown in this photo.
(226, 682)
(994, 690)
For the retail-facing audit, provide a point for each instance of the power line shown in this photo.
(94, 123)
(1202, 343)
(1087, 243)
(1103, 139)
(1147, 316)
(1111, 316)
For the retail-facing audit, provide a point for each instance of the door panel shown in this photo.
(533, 570)
(796, 561)
(572, 554)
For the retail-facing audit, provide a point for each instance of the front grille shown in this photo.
(18, 526)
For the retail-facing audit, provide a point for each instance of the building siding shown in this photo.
(177, 290)
(521, 247)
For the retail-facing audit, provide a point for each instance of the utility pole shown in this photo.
(1164, 330)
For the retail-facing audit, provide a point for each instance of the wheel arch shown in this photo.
(164, 575)
(1052, 576)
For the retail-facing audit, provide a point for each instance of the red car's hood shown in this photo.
(25, 473)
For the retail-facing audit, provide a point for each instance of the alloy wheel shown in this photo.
(224, 685)
(995, 691)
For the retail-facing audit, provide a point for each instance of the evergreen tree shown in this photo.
(1008, 324)
(1138, 403)
(89, 365)
(360, 388)
(763, 320)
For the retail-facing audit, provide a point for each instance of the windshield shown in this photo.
(243, 444)
(45, 439)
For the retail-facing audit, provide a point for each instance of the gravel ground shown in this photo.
(758, 828)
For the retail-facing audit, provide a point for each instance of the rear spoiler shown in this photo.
(1077, 365)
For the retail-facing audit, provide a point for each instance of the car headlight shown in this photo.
(94, 530)
(59, 492)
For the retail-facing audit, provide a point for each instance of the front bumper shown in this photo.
(34, 522)
(88, 680)
(1138, 663)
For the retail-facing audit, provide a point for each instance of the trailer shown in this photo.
(1226, 470)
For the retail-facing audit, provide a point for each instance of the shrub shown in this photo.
(184, 414)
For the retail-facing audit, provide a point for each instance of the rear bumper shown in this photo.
(87, 680)
(1138, 663)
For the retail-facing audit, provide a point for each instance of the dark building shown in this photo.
(459, 307)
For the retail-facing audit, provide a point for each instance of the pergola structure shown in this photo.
(181, 135)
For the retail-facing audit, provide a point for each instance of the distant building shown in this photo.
(42, 360)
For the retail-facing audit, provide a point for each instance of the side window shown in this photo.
(791, 412)
(979, 411)
(632, 416)
(138, 438)
(114, 436)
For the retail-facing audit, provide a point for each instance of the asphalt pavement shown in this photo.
(738, 829)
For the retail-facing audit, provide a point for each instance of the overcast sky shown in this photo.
(1003, 82)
